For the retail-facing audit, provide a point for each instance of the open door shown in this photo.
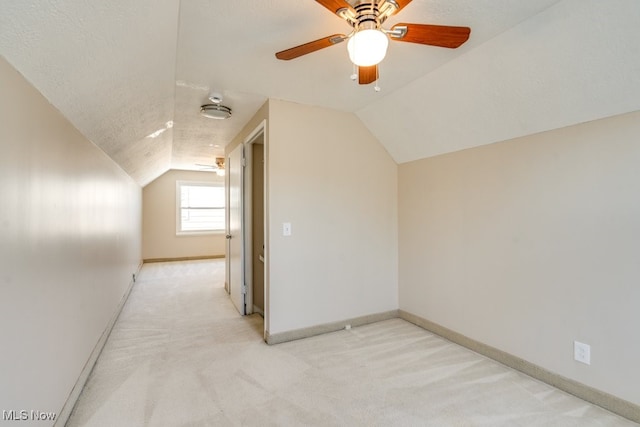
(235, 233)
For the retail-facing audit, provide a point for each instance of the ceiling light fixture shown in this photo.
(367, 47)
(215, 110)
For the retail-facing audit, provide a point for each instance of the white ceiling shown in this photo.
(122, 70)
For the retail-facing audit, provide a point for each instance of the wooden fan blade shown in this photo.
(303, 49)
(402, 4)
(335, 5)
(433, 35)
(367, 75)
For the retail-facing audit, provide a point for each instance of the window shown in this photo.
(200, 207)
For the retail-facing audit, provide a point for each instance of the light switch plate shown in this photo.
(286, 229)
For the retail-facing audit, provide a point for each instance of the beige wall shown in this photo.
(261, 114)
(337, 186)
(159, 239)
(332, 180)
(69, 244)
(530, 244)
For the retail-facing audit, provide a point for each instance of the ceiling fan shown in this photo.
(368, 40)
(218, 167)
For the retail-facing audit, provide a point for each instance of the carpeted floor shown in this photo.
(180, 355)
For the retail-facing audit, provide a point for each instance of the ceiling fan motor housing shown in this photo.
(368, 14)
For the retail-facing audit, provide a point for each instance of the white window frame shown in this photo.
(179, 231)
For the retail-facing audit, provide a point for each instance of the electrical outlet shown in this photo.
(582, 352)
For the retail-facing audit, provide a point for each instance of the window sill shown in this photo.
(199, 233)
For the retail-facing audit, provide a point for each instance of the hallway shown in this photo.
(180, 355)
(172, 352)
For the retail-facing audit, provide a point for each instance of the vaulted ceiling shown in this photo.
(131, 75)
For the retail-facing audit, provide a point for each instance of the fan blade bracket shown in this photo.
(400, 4)
(397, 32)
(335, 5)
(348, 15)
(338, 38)
(387, 8)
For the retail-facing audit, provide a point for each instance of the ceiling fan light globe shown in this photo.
(367, 47)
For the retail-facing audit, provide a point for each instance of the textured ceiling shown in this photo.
(576, 61)
(121, 71)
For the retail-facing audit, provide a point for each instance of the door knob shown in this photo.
(228, 236)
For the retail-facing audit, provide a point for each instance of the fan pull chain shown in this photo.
(354, 73)
(377, 87)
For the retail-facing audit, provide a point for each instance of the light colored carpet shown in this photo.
(180, 355)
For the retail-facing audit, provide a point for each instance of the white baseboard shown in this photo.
(607, 401)
(328, 327)
(67, 409)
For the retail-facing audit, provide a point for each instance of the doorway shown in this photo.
(247, 260)
(257, 223)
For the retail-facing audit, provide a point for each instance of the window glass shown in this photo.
(200, 207)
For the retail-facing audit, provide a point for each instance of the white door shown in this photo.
(235, 235)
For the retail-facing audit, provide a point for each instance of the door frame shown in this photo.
(259, 131)
(247, 241)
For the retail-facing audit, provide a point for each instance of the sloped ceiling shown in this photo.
(131, 76)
